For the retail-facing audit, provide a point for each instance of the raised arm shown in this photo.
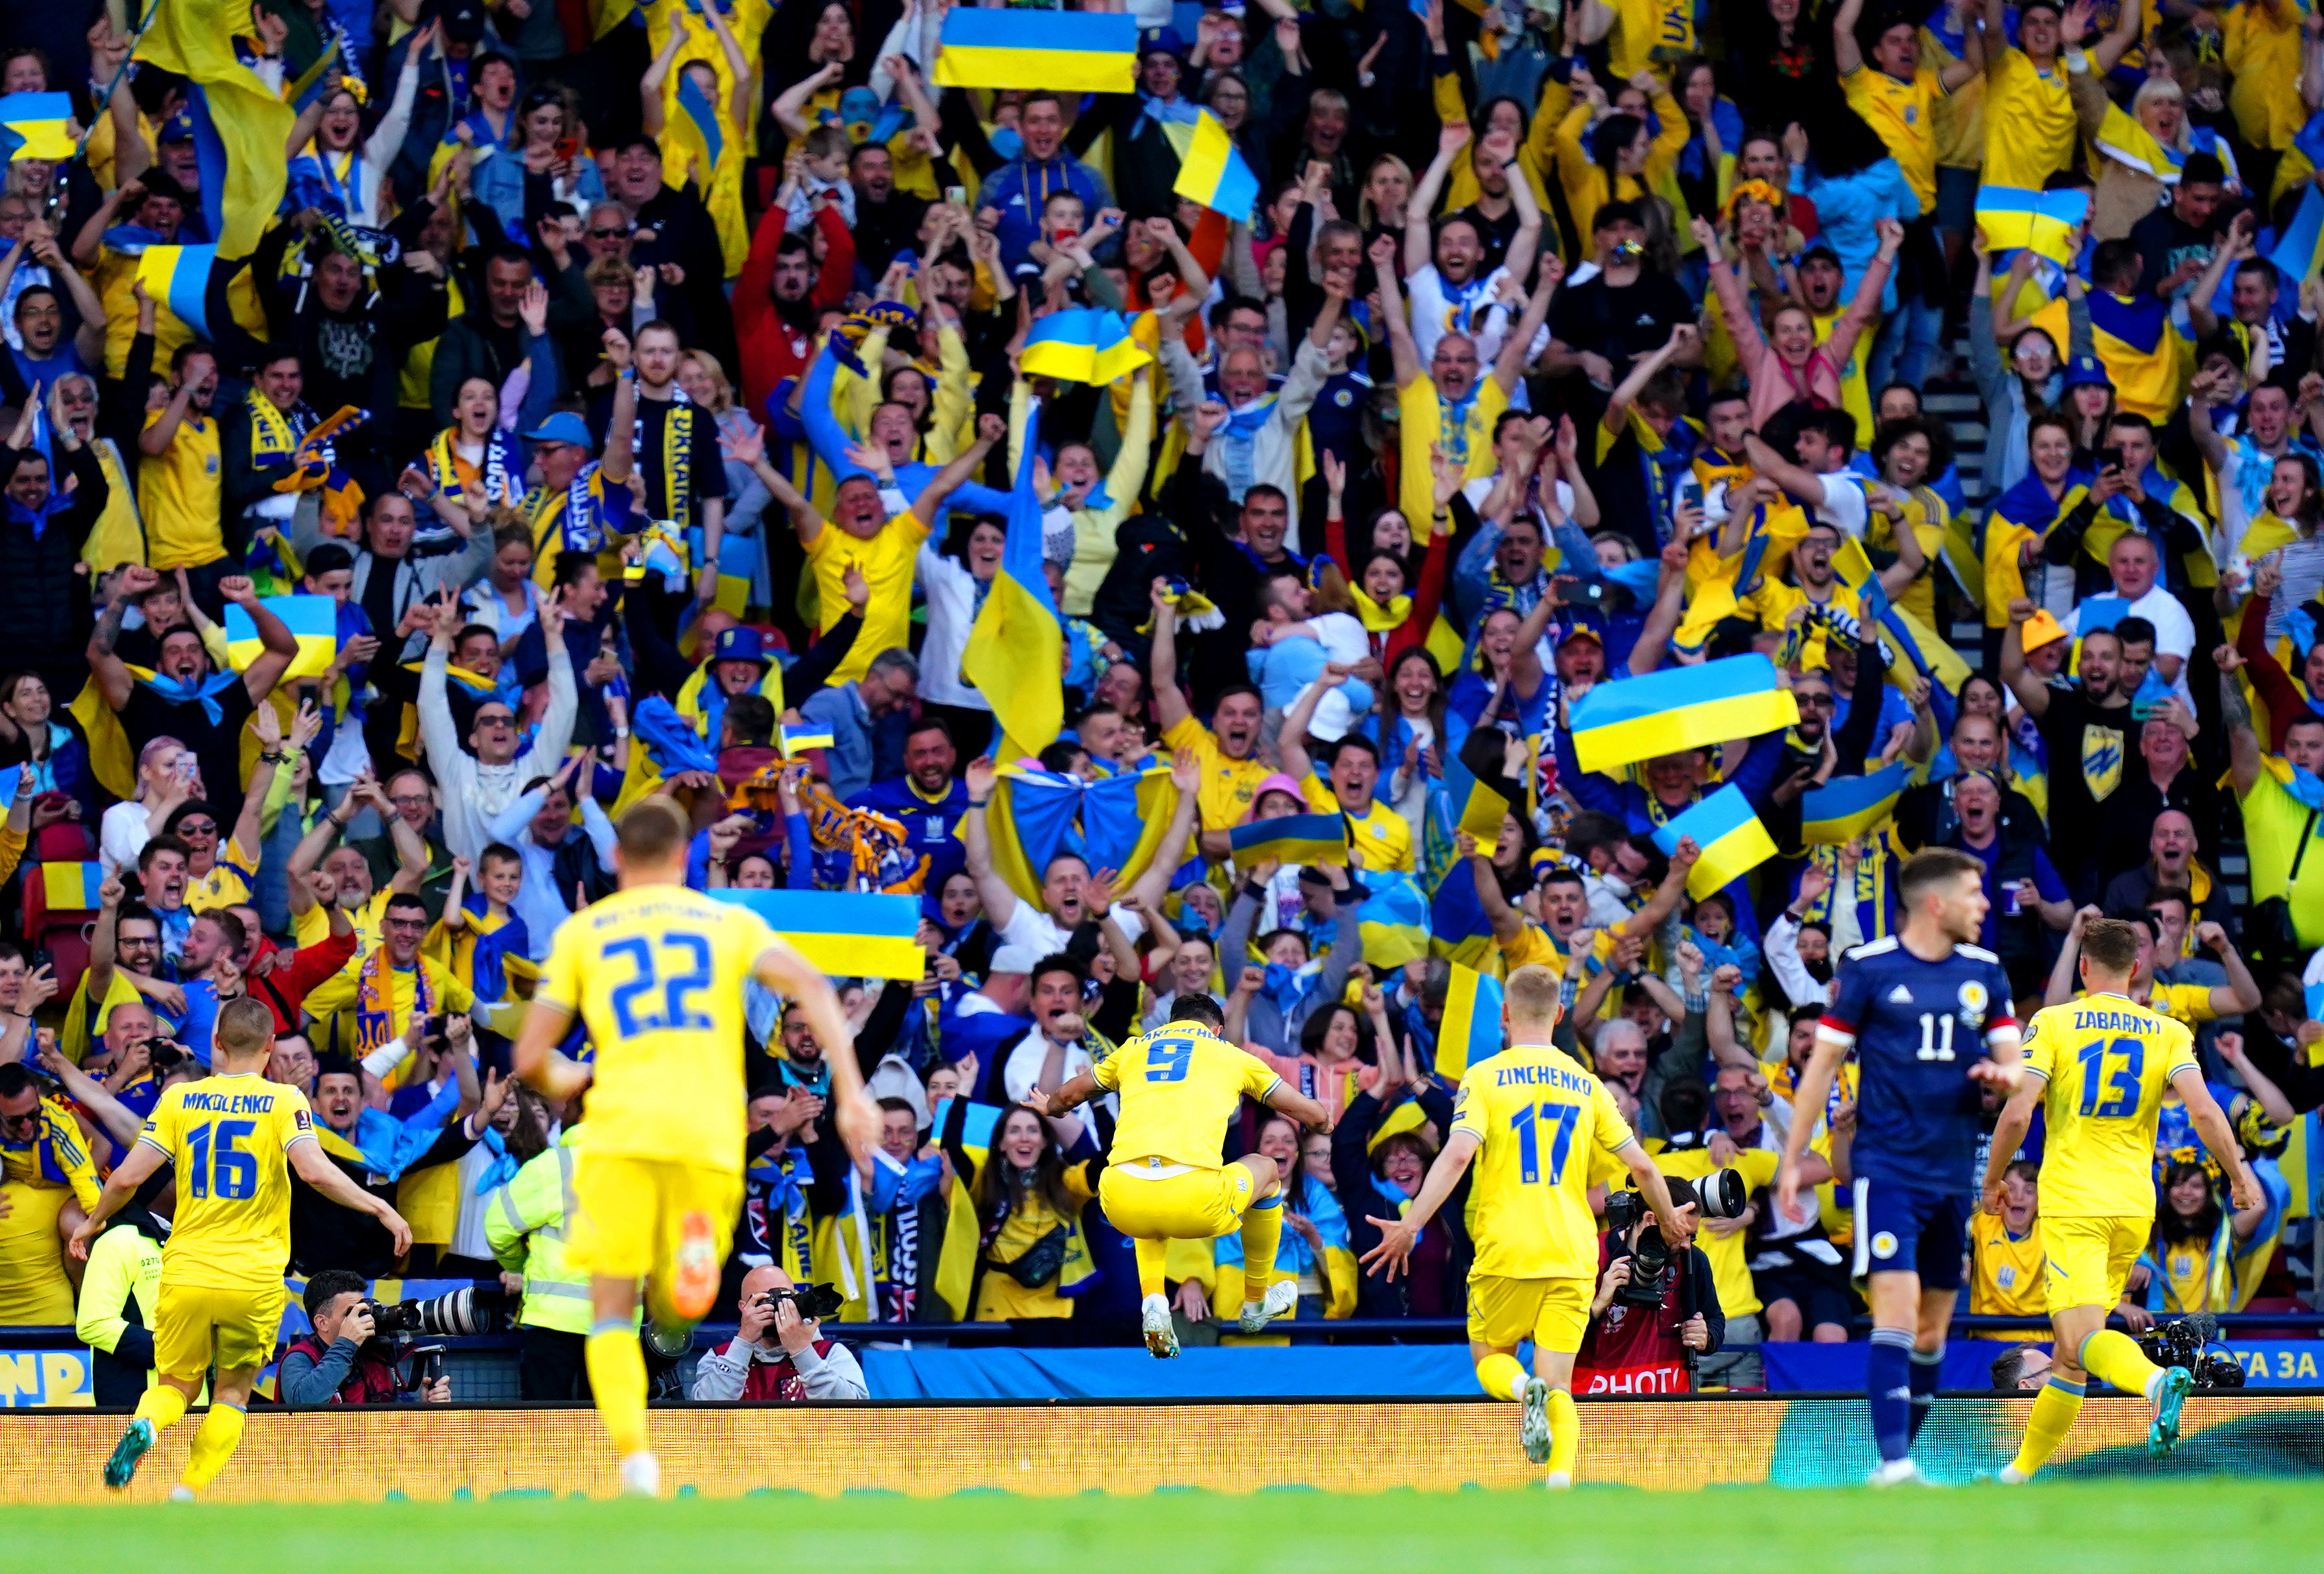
(1419, 248)
(1000, 901)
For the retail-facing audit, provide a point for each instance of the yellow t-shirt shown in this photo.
(1542, 1121)
(1960, 115)
(1227, 785)
(1179, 1086)
(886, 562)
(2004, 1272)
(228, 881)
(2106, 1060)
(116, 273)
(2029, 123)
(657, 974)
(313, 926)
(2261, 48)
(1379, 838)
(228, 1138)
(344, 1027)
(1854, 397)
(2276, 826)
(1424, 423)
(1650, 35)
(1904, 114)
(182, 495)
(1730, 1257)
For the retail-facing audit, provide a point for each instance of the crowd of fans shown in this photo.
(1564, 345)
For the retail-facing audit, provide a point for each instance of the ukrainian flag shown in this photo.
(32, 127)
(1681, 708)
(240, 124)
(1015, 651)
(178, 277)
(805, 736)
(1290, 839)
(70, 888)
(2048, 223)
(1732, 840)
(1479, 793)
(2301, 252)
(1471, 1030)
(1071, 51)
(1081, 344)
(1853, 806)
(1214, 173)
(848, 935)
(1392, 920)
(700, 113)
(313, 621)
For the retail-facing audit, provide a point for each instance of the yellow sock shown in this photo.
(617, 1376)
(213, 1445)
(2116, 1356)
(1152, 1255)
(1262, 1228)
(2054, 1409)
(1503, 1377)
(163, 1405)
(1564, 1432)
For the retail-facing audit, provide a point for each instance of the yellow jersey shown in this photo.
(229, 1138)
(1180, 1085)
(1541, 1121)
(1903, 114)
(2106, 1060)
(1650, 35)
(1229, 784)
(228, 881)
(182, 495)
(1378, 839)
(657, 974)
(2006, 1272)
(887, 562)
(2029, 123)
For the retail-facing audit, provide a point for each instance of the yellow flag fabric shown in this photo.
(195, 39)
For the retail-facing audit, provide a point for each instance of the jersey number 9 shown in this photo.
(1166, 1059)
(679, 965)
(220, 1168)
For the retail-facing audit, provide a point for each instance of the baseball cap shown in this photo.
(740, 644)
(2086, 372)
(564, 427)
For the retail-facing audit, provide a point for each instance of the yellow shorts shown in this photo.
(236, 1326)
(1192, 1205)
(2090, 1258)
(629, 1212)
(1552, 1312)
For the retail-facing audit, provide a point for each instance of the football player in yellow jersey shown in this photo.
(1179, 1086)
(2097, 1067)
(234, 1138)
(656, 970)
(1542, 1124)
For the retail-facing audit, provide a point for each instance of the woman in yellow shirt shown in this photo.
(1605, 154)
(1028, 1205)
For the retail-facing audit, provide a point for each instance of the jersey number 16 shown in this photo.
(220, 1168)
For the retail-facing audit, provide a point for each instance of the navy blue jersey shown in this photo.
(1917, 1027)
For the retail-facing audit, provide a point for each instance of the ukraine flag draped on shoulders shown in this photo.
(1016, 650)
(1116, 821)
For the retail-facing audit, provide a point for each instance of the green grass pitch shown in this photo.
(2169, 1524)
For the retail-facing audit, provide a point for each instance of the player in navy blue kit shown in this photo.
(1929, 1016)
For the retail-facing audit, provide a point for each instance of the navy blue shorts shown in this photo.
(1904, 1228)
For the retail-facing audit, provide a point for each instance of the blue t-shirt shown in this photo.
(1916, 1027)
(2045, 880)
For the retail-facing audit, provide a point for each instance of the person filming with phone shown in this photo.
(779, 1352)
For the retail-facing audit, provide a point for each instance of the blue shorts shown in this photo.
(1904, 1228)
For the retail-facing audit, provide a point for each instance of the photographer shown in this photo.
(1639, 1341)
(777, 1354)
(342, 1361)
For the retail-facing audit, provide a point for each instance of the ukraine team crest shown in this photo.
(2101, 762)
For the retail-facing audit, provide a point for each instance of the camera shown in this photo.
(2186, 1342)
(163, 1054)
(1719, 1195)
(458, 1311)
(813, 1302)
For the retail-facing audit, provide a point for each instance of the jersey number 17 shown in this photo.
(1529, 1121)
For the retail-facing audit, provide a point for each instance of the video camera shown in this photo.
(473, 1310)
(814, 1302)
(1719, 1195)
(2187, 1341)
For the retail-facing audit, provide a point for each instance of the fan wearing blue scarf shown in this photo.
(184, 698)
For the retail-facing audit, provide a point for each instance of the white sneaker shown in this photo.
(2011, 1476)
(1282, 1298)
(181, 1493)
(641, 1474)
(1558, 1480)
(1895, 1473)
(1161, 1336)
